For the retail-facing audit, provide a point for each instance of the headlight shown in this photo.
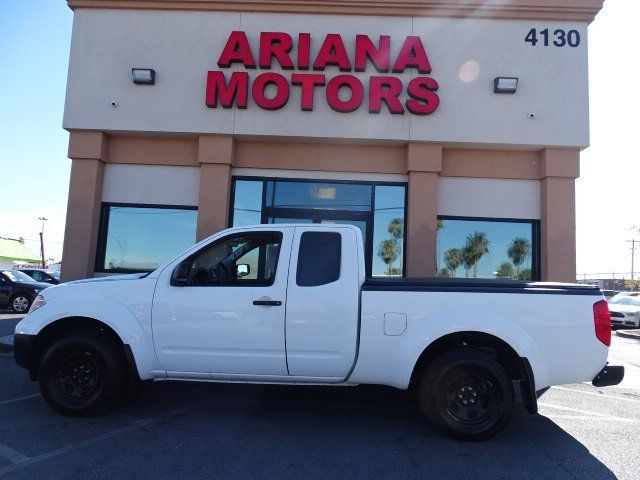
(37, 303)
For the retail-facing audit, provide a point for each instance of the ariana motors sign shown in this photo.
(344, 92)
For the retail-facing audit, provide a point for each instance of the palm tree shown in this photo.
(444, 273)
(525, 274)
(396, 228)
(518, 251)
(505, 270)
(452, 259)
(389, 250)
(477, 245)
(467, 259)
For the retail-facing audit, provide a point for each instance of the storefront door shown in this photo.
(377, 209)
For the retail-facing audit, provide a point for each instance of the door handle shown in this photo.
(268, 303)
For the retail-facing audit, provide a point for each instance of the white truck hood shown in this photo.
(110, 278)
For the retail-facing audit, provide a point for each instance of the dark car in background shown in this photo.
(46, 276)
(17, 290)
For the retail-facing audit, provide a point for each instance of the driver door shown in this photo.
(220, 313)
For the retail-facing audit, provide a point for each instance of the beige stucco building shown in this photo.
(398, 129)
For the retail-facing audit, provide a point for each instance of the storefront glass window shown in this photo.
(388, 231)
(143, 238)
(247, 204)
(477, 248)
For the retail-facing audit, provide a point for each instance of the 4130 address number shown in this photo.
(558, 38)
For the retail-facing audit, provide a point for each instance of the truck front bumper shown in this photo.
(22, 346)
(609, 375)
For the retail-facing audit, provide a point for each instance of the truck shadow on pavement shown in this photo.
(247, 431)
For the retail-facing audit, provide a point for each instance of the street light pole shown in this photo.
(44, 263)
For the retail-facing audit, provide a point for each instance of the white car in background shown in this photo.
(625, 309)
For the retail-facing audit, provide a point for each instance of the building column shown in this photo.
(87, 151)
(558, 170)
(215, 155)
(424, 163)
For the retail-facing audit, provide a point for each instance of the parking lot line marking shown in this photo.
(601, 395)
(590, 413)
(582, 417)
(12, 455)
(18, 399)
(98, 438)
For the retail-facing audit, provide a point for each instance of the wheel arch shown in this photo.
(518, 367)
(62, 326)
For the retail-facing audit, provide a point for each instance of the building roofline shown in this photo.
(562, 10)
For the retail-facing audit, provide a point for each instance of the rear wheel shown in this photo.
(467, 394)
(82, 373)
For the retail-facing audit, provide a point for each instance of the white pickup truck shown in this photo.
(291, 304)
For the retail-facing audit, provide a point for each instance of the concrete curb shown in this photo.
(635, 334)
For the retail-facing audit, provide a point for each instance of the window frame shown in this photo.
(368, 247)
(536, 238)
(225, 238)
(103, 229)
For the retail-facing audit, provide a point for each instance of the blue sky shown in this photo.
(35, 37)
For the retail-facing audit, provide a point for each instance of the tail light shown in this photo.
(602, 321)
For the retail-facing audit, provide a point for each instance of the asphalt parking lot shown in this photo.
(191, 430)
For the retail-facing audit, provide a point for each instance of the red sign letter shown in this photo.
(332, 52)
(385, 89)
(307, 81)
(378, 56)
(282, 91)
(236, 91)
(411, 55)
(424, 99)
(357, 92)
(304, 45)
(237, 50)
(278, 45)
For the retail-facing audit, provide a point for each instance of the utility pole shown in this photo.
(44, 263)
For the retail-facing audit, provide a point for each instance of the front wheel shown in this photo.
(82, 373)
(467, 394)
(20, 303)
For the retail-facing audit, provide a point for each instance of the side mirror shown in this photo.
(180, 276)
(242, 270)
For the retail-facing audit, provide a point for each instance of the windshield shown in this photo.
(16, 276)
(625, 300)
(55, 274)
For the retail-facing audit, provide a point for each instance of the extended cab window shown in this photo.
(239, 260)
(318, 259)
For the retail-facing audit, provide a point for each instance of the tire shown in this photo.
(83, 373)
(20, 303)
(466, 394)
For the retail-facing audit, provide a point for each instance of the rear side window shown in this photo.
(318, 259)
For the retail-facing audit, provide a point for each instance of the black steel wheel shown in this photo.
(467, 394)
(82, 373)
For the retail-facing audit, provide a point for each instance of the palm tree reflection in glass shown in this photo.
(389, 250)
